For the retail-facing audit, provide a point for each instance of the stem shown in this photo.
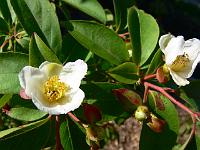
(150, 76)
(191, 133)
(73, 117)
(58, 144)
(146, 90)
(161, 90)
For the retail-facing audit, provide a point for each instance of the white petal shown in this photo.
(72, 73)
(164, 40)
(173, 49)
(181, 81)
(72, 103)
(30, 78)
(192, 49)
(50, 69)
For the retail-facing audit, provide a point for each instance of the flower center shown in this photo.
(54, 89)
(180, 63)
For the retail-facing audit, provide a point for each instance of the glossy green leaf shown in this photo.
(121, 10)
(192, 92)
(12, 132)
(35, 57)
(24, 42)
(10, 65)
(40, 17)
(33, 137)
(72, 50)
(4, 9)
(129, 99)
(144, 32)
(26, 114)
(90, 7)
(100, 40)
(72, 138)
(4, 99)
(163, 109)
(156, 62)
(100, 94)
(46, 52)
(125, 73)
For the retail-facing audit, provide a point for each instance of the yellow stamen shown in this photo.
(180, 63)
(54, 89)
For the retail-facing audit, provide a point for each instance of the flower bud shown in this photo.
(142, 113)
(162, 75)
(92, 113)
(156, 124)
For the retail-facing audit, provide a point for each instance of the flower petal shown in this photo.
(72, 73)
(164, 40)
(50, 69)
(173, 49)
(179, 80)
(72, 103)
(30, 78)
(192, 49)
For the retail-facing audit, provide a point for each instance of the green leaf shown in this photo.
(100, 40)
(71, 136)
(72, 50)
(35, 57)
(40, 17)
(46, 52)
(100, 94)
(3, 26)
(35, 137)
(10, 65)
(162, 108)
(121, 9)
(5, 11)
(156, 62)
(192, 92)
(125, 73)
(4, 99)
(144, 32)
(90, 7)
(25, 114)
(24, 42)
(9, 133)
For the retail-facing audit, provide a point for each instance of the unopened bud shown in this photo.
(162, 75)
(92, 113)
(142, 113)
(156, 124)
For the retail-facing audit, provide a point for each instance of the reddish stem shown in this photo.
(123, 35)
(146, 90)
(150, 76)
(73, 117)
(58, 143)
(161, 90)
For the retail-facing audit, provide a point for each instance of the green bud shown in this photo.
(142, 113)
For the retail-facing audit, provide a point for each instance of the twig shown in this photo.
(58, 143)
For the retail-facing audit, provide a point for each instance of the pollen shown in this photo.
(180, 63)
(54, 89)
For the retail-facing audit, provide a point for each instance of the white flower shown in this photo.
(181, 56)
(54, 88)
